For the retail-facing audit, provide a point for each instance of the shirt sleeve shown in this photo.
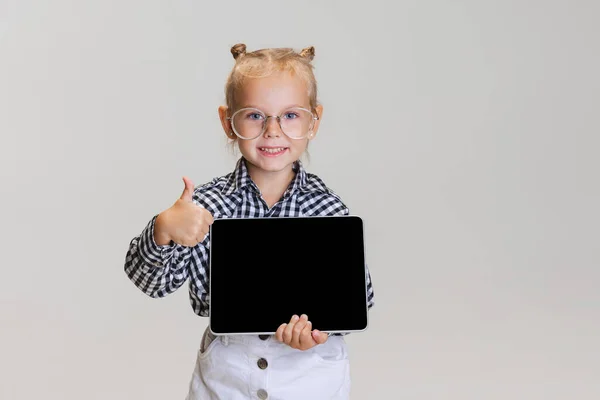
(160, 270)
(370, 291)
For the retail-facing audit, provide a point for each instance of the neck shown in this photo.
(271, 183)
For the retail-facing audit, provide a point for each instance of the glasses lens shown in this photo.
(297, 122)
(248, 123)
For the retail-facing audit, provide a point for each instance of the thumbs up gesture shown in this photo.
(184, 223)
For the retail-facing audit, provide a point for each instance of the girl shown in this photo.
(271, 113)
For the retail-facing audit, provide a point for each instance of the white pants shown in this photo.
(249, 367)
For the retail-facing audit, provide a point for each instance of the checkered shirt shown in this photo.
(160, 270)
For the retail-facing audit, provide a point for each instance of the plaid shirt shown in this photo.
(160, 270)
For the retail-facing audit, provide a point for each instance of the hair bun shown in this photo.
(238, 50)
(308, 52)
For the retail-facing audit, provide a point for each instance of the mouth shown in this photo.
(272, 151)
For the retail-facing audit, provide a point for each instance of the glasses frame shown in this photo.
(278, 117)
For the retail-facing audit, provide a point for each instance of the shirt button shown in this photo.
(262, 394)
(262, 363)
(263, 337)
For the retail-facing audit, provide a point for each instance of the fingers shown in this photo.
(279, 332)
(306, 340)
(289, 330)
(189, 222)
(297, 331)
(205, 220)
(319, 337)
(207, 216)
(192, 224)
(188, 191)
(199, 239)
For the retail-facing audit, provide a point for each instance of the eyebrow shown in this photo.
(285, 108)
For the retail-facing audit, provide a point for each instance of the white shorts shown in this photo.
(251, 367)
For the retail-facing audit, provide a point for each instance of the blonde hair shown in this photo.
(264, 62)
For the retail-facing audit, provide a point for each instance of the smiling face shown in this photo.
(273, 151)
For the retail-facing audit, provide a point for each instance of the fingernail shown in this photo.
(295, 317)
(309, 323)
(304, 316)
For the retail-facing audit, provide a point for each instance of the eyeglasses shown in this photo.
(250, 123)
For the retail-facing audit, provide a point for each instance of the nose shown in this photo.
(272, 128)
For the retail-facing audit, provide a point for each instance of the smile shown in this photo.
(272, 151)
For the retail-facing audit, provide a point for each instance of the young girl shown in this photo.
(271, 113)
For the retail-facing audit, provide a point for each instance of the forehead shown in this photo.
(273, 92)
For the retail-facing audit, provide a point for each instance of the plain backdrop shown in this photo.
(465, 133)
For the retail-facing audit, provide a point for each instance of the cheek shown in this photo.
(299, 146)
(245, 146)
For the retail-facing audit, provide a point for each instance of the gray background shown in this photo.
(465, 133)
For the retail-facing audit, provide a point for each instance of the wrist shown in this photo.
(161, 237)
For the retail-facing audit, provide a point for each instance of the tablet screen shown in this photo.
(264, 270)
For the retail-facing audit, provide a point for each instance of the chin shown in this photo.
(274, 164)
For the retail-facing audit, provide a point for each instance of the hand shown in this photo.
(297, 333)
(184, 223)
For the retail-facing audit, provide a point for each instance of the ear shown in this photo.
(226, 123)
(319, 111)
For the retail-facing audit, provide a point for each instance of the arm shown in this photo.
(156, 270)
(161, 270)
(158, 260)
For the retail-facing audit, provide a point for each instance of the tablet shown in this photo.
(264, 270)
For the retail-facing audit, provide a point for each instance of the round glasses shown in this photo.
(250, 123)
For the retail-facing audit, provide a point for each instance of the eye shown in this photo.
(290, 115)
(254, 116)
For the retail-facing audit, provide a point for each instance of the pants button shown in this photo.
(262, 363)
(262, 394)
(263, 337)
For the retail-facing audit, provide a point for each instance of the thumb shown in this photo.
(188, 191)
(320, 337)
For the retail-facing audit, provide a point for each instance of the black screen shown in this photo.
(264, 270)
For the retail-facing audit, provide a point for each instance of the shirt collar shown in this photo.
(240, 179)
